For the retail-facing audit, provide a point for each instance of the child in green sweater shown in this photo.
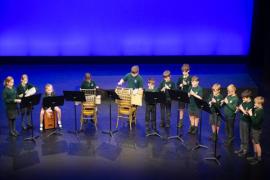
(256, 116)
(11, 100)
(195, 91)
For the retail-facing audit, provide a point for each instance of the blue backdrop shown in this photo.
(125, 27)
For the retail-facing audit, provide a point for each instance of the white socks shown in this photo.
(41, 127)
(60, 124)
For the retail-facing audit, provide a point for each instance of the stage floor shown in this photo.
(128, 154)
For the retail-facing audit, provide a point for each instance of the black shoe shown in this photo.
(156, 131)
(238, 151)
(190, 129)
(243, 154)
(24, 128)
(29, 126)
(195, 130)
(162, 125)
(255, 162)
(148, 131)
(251, 158)
(16, 132)
(13, 134)
(228, 142)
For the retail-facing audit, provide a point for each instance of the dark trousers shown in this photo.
(244, 134)
(166, 109)
(150, 116)
(229, 127)
(26, 116)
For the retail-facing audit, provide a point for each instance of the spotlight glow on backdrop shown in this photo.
(125, 27)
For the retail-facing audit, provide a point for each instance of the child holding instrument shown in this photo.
(49, 91)
(230, 106)
(25, 89)
(164, 86)
(183, 83)
(244, 124)
(214, 101)
(256, 115)
(150, 112)
(133, 79)
(195, 91)
(11, 100)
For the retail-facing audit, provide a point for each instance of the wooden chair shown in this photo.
(125, 109)
(89, 108)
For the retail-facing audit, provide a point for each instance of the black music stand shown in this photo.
(74, 96)
(216, 157)
(51, 102)
(204, 106)
(154, 98)
(112, 96)
(178, 95)
(31, 101)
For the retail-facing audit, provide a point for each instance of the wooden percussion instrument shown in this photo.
(90, 96)
(127, 94)
(50, 119)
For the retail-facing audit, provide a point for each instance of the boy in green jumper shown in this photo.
(214, 101)
(88, 83)
(195, 91)
(183, 83)
(133, 79)
(10, 99)
(247, 104)
(23, 90)
(256, 116)
(150, 109)
(230, 106)
(164, 86)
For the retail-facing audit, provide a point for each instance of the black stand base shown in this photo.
(56, 132)
(33, 139)
(198, 146)
(110, 132)
(214, 158)
(153, 134)
(178, 137)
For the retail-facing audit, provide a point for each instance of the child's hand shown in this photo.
(17, 100)
(184, 82)
(167, 87)
(120, 82)
(250, 112)
(163, 89)
(214, 100)
(226, 101)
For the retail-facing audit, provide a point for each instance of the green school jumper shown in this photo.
(88, 85)
(133, 82)
(213, 116)
(9, 95)
(193, 109)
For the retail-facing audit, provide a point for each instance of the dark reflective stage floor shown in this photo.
(129, 154)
